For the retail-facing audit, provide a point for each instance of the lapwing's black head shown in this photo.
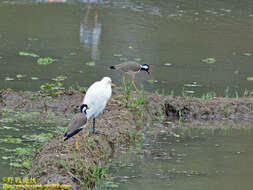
(83, 108)
(145, 67)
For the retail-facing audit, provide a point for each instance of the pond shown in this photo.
(16, 137)
(195, 47)
(188, 159)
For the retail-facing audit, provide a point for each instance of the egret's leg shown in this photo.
(77, 148)
(134, 84)
(93, 126)
(124, 80)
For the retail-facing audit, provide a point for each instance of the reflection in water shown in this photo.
(90, 32)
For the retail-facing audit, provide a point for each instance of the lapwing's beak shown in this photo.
(113, 85)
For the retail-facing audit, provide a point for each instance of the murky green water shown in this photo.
(156, 32)
(192, 159)
(15, 135)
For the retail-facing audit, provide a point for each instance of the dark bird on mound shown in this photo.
(131, 68)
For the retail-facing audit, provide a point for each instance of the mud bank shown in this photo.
(122, 123)
(34, 105)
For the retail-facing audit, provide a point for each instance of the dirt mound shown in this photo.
(58, 162)
(203, 109)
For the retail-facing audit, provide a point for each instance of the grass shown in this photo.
(136, 105)
(51, 89)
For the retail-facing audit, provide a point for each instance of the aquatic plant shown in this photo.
(45, 60)
(209, 60)
(6, 111)
(23, 53)
(43, 137)
(60, 78)
(91, 63)
(19, 76)
(227, 111)
(12, 140)
(34, 78)
(51, 89)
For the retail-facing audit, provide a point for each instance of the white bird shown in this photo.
(97, 96)
(77, 124)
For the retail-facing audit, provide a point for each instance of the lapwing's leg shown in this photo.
(77, 148)
(134, 84)
(124, 80)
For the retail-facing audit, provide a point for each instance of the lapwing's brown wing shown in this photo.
(129, 66)
(76, 124)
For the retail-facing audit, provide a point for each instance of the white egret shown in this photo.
(97, 96)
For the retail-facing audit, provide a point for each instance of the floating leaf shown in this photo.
(189, 91)
(194, 84)
(167, 64)
(35, 78)
(5, 157)
(44, 61)
(60, 78)
(15, 164)
(123, 59)
(152, 81)
(12, 140)
(247, 54)
(114, 185)
(19, 76)
(32, 39)
(209, 60)
(24, 151)
(8, 78)
(117, 55)
(250, 78)
(137, 59)
(73, 53)
(23, 53)
(91, 63)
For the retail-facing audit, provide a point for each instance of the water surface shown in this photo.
(188, 159)
(157, 32)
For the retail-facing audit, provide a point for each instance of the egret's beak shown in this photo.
(113, 85)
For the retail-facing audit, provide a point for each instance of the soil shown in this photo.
(57, 162)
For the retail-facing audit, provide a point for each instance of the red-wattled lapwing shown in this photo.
(77, 124)
(131, 68)
(97, 96)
